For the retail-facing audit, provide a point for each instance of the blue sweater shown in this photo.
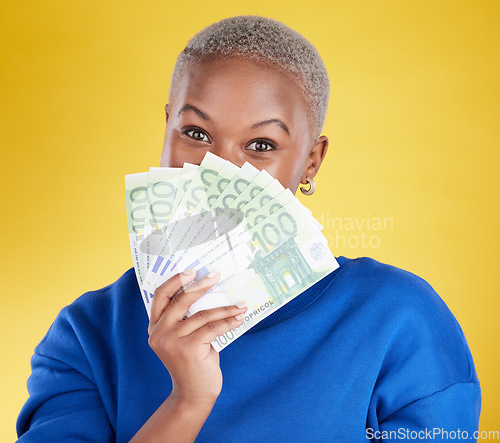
(370, 349)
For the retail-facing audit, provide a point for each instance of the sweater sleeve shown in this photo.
(450, 414)
(427, 380)
(64, 401)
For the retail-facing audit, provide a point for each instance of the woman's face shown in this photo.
(242, 111)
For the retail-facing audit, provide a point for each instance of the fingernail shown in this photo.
(241, 306)
(212, 273)
(238, 317)
(189, 271)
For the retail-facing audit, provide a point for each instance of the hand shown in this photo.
(183, 345)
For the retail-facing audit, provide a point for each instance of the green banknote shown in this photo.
(239, 221)
(265, 200)
(230, 182)
(161, 191)
(286, 255)
(136, 200)
(215, 225)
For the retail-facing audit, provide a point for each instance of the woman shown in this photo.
(369, 352)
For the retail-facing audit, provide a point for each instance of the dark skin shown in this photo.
(241, 111)
(215, 107)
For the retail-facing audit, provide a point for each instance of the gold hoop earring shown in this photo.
(312, 187)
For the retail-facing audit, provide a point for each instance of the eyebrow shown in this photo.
(276, 121)
(188, 107)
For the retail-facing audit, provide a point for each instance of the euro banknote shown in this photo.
(238, 220)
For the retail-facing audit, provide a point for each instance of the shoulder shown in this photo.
(101, 304)
(393, 292)
(72, 383)
(416, 340)
(383, 276)
(124, 289)
(399, 300)
(94, 321)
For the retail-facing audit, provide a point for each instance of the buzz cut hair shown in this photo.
(271, 43)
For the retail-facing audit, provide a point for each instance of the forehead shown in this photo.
(240, 89)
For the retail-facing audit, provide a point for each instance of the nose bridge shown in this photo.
(229, 149)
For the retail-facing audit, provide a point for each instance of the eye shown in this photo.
(197, 134)
(261, 145)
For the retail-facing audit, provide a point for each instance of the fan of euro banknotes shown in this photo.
(236, 220)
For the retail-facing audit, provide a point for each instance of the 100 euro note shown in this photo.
(265, 266)
(162, 189)
(220, 224)
(272, 249)
(158, 223)
(213, 221)
(186, 219)
(266, 201)
(288, 255)
(136, 186)
(269, 200)
(194, 184)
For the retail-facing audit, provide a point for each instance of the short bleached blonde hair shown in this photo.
(267, 41)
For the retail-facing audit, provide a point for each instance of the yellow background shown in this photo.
(414, 101)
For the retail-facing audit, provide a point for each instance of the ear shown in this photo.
(167, 112)
(315, 158)
(163, 158)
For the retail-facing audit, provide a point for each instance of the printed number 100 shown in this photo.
(270, 234)
(223, 340)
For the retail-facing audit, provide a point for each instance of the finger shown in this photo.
(209, 332)
(201, 318)
(180, 304)
(164, 293)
